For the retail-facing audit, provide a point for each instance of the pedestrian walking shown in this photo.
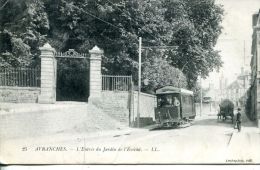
(238, 119)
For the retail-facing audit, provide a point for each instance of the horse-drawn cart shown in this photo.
(226, 109)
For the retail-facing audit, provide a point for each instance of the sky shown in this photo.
(237, 31)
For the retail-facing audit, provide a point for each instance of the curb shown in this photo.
(40, 108)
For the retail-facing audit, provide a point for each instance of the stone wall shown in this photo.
(123, 106)
(147, 105)
(19, 94)
(116, 105)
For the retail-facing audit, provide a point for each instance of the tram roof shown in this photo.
(171, 89)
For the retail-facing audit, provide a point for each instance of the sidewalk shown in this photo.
(244, 147)
(13, 108)
(28, 120)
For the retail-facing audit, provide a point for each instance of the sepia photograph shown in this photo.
(129, 82)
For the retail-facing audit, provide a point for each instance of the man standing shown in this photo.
(177, 105)
(238, 120)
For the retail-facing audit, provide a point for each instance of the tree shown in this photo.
(160, 73)
(197, 92)
(24, 25)
(193, 26)
(115, 27)
(197, 27)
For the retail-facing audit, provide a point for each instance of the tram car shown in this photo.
(175, 107)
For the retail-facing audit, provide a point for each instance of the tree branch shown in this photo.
(4, 4)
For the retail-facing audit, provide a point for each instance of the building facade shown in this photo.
(254, 91)
(236, 91)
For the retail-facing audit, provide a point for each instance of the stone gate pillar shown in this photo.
(95, 78)
(48, 75)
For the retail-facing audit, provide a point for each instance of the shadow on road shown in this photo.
(212, 122)
(218, 122)
(163, 128)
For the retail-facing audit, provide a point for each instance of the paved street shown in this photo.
(208, 140)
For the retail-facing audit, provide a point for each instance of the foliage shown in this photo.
(24, 25)
(193, 26)
(197, 92)
(159, 73)
(197, 27)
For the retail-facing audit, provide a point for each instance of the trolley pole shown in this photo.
(139, 81)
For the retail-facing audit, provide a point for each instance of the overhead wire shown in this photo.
(4, 4)
(146, 47)
(155, 38)
(124, 11)
(102, 20)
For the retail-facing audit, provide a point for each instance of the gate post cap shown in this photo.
(47, 47)
(96, 50)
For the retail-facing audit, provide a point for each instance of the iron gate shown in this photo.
(72, 76)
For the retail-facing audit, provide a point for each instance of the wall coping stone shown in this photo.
(19, 88)
(145, 94)
(127, 92)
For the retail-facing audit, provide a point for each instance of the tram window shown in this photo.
(165, 100)
(187, 99)
(190, 100)
(184, 99)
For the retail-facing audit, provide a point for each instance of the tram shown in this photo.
(175, 107)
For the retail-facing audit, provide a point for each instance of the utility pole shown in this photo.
(139, 81)
(200, 96)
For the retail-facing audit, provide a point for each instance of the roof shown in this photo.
(235, 85)
(210, 93)
(171, 89)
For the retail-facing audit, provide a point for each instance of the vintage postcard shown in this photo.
(129, 82)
